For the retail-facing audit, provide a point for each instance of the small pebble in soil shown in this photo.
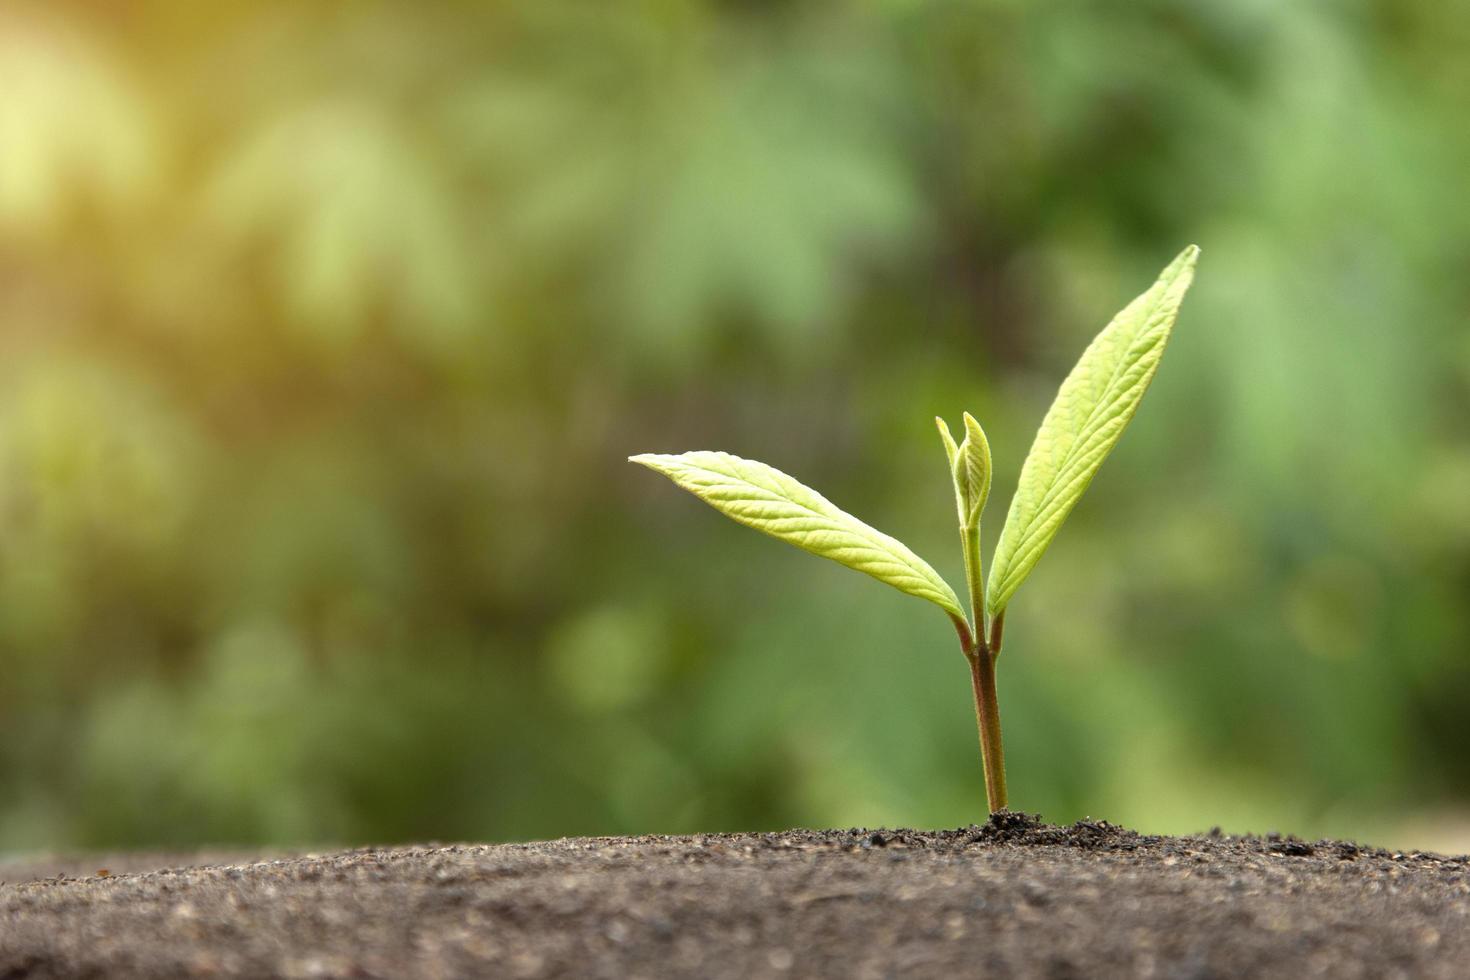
(1034, 894)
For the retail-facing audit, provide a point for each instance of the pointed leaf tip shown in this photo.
(950, 449)
(1093, 406)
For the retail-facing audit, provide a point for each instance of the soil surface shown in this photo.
(1014, 898)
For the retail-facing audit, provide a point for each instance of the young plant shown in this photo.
(1093, 406)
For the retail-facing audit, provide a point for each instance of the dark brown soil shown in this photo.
(1015, 898)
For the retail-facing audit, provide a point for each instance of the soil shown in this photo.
(1014, 898)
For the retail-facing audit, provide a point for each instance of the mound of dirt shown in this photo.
(1014, 898)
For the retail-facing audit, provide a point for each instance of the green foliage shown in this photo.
(773, 503)
(1093, 406)
(322, 326)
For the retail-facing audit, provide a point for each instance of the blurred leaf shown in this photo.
(608, 657)
(700, 174)
(358, 218)
(312, 526)
(89, 451)
(73, 126)
(1095, 403)
(768, 500)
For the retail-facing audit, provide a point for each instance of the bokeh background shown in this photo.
(325, 330)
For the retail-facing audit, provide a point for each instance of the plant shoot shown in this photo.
(1084, 423)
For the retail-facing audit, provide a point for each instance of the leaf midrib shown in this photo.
(1027, 542)
(858, 532)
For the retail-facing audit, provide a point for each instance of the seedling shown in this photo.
(1093, 406)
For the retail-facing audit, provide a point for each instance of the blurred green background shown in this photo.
(325, 330)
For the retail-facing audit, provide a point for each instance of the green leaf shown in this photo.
(969, 467)
(972, 472)
(1089, 414)
(773, 503)
(951, 450)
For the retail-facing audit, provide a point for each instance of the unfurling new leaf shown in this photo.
(969, 467)
(768, 500)
(972, 472)
(1095, 403)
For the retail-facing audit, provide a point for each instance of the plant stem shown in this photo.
(974, 577)
(962, 628)
(981, 655)
(987, 717)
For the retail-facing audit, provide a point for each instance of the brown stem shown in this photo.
(997, 632)
(963, 629)
(987, 716)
